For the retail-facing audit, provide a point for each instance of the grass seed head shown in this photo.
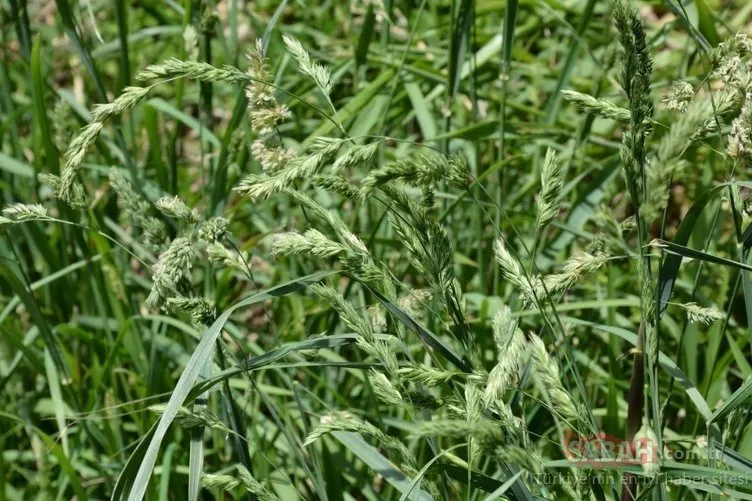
(316, 71)
(551, 184)
(173, 266)
(599, 107)
(25, 212)
(679, 96)
(177, 209)
(550, 379)
(701, 315)
(384, 389)
(510, 346)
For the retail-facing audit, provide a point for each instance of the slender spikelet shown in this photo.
(344, 421)
(431, 253)
(244, 478)
(176, 208)
(701, 315)
(651, 337)
(220, 482)
(356, 156)
(316, 71)
(473, 415)
(551, 183)
(74, 157)
(481, 429)
(337, 184)
(19, 213)
(550, 379)
(424, 170)
(360, 323)
(204, 72)
(347, 312)
(574, 270)
(599, 107)
(254, 486)
(523, 458)
(512, 269)
(129, 200)
(50, 180)
(219, 254)
(679, 96)
(127, 100)
(357, 258)
(473, 407)
(384, 389)
(67, 189)
(259, 187)
(25, 212)
(426, 375)
(510, 346)
(312, 242)
(189, 418)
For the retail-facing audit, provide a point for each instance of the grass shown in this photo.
(411, 250)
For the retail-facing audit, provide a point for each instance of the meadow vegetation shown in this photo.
(375, 250)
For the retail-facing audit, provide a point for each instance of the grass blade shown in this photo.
(739, 398)
(379, 464)
(190, 374)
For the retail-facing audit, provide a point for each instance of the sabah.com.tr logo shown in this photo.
(606, 451)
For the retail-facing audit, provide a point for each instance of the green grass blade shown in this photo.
(196, 452)
(366, 35)
(681, 251)
(425, 335)
(16, 167)
(40, 108)
(378, 463)
(189, 121)
(670, 267)
(664, 362)
(53, 380)
(463, 19)
(737, 399)
(190, 374)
